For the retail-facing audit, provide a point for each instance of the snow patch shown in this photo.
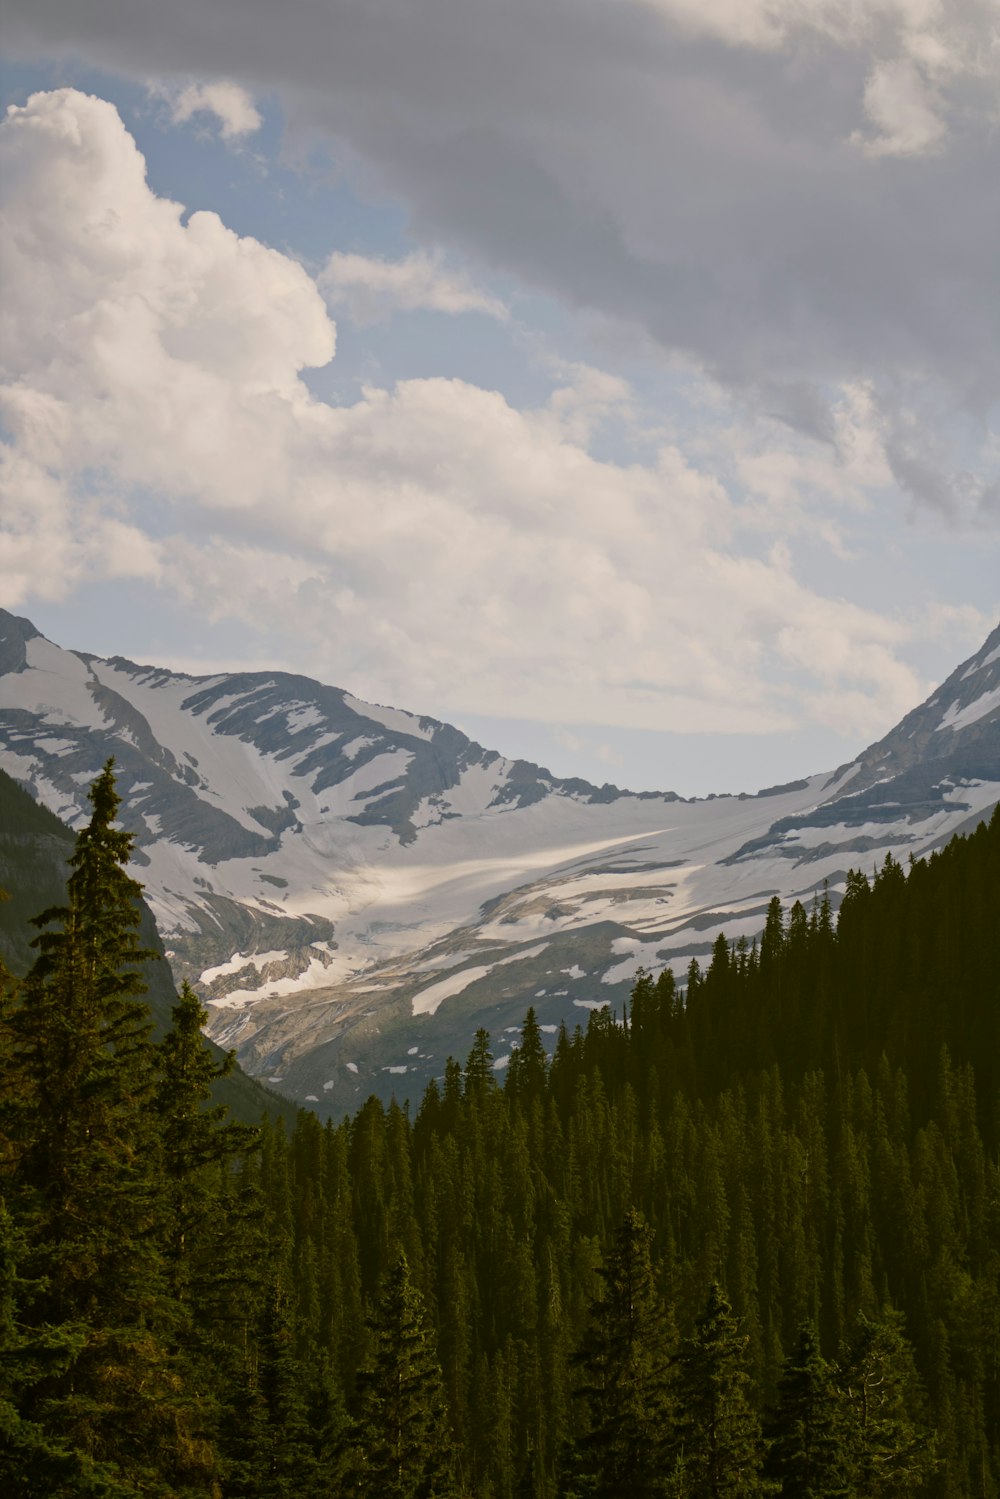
(240, 960)
(960, 718)
(427, 1001)
(302, 716)
(975, 666)
(394, 719)
(353, 747)
(522, 957)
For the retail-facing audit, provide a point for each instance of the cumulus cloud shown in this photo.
(429, 543)
(372, 289)
(228, 103)
(790, 193)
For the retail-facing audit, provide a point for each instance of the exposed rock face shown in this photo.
(354, 888)
(930, 765)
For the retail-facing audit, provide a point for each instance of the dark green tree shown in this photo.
(83, 1178)
(269, 1451)
(808, 1452)
(194, 1138)
(33, 1461)
(717, 1433)
(528, 1065)
(893, 1450)
(401, 1441)
(624, 1364)
(480, 1079)
(84, 1069)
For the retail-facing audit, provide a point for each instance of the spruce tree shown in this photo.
(83, 1175)
(528, 1065)
(401, 1442)
(717, 1434)
(268, 1445)
(33, 1461)
(893, 1450)
(624, 1363)
(194, 1139)
(84, 1068)
(808, 1449)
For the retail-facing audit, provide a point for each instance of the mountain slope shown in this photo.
(35, 848)
(354, 888)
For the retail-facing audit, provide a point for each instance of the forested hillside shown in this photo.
(35, 848)
(742, 1239)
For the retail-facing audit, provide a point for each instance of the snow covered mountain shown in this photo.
(355, 889)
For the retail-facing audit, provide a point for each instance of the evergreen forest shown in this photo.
(741, 1239)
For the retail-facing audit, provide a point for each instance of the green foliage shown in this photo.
(893, 1452)
(400, 1442)
(624, 1363)
(718, 1212)
(94, 1392)
(717, 1435)
(811, 1454)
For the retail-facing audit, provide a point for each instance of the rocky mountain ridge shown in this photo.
(354, 888)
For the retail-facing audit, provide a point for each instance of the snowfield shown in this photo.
(358, 871)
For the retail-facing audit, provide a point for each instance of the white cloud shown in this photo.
(903, 108)
(229, 103)
(373, 289)
(689, 169)
(428, 544)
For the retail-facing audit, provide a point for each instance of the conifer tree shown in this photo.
(717, 1432)
(84, 1066)
(269, 1450)
(401, 1442)
(32, 1460)
(892, 1449)
(480, 1078)
(84, 1183)
(624, 1362)
(808, 1453)
(528, 1065)
(194, 1138)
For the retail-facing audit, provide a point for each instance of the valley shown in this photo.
(354, 889)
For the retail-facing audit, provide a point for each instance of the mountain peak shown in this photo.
(338, 877)
(15, 632)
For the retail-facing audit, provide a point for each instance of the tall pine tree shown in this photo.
(625, 1367)
(718, 1435)
(83, 1179)
(401, 1441)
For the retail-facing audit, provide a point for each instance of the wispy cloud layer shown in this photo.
(372, 289)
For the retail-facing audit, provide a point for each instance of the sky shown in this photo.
(618, 380)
